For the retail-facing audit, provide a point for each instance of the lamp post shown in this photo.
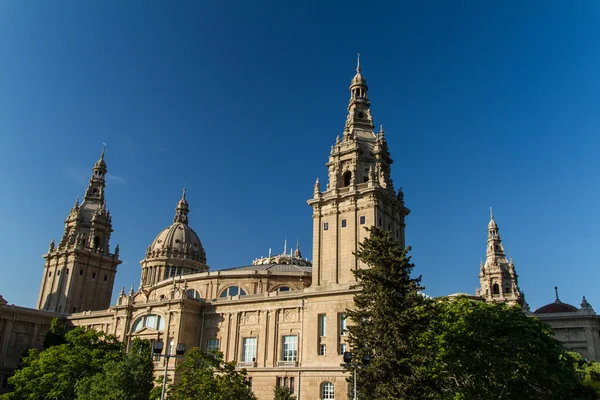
(348, 361)
(158, 348)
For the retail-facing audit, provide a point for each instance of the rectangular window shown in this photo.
(105, 278)
(322, 350)
(325, 226)
(58, 273)
(362, 219)
(322, 325)
(93, 275)
(342, 318)
(171, 348)
(343, 223)
(285, 381)
(49, 274)
(212, 344)
(81, 272)
(290, 348)
(342, 348)
(67, 271)
(249, 350)
(379, 222)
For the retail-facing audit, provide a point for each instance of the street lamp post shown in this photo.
(158, 348)
(348, 361)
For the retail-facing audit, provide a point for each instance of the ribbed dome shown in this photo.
(179, 239)
(492, 224)
(358, 80)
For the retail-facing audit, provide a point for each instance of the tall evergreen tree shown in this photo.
(384, 318)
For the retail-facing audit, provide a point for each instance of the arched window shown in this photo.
(152, 321)
(233, 291)
(496, 289)
(193, 294)
(327, 391)
(347, 178)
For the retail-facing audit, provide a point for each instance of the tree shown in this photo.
(86, 361)
(589, 371)
(128, 378)
(206, 376)
(283, 393)
(384, 319)
(474, 350)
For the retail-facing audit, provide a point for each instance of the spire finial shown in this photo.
(556, 291)
(358, 63)
(285, 246)
(491, 213)
(184, 191)
(103, 148)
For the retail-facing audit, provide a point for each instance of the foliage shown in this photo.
(384, 319)
(476, 350)
(450, 349)
(128, 378)
(589, 371)
(206, 376)
(283, 393)
(56, 334)
(86, 361)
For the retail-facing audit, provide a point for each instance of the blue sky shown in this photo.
(483, 103)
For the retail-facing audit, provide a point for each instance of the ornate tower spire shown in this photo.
(182, 210)
(95, 189)
(359, 193)
(359, 107)
(79, 272)
(497, 276)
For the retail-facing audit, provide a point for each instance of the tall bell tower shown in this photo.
(80, 271)
(359, 194)
(497, 276)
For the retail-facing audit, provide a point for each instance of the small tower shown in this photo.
(497, 276)
(359, 194)
(79, 272)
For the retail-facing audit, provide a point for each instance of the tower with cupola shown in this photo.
(79, 271)
(359, 193)
(497, 276)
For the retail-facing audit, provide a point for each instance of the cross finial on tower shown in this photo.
(358, 62)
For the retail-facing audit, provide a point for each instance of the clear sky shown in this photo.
(483, 103)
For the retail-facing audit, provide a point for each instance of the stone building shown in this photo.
(577, 328)
(281, 316)
(274, 317)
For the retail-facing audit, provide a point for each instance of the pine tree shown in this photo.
(383, 319)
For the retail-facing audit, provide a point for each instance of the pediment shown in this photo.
(145, 331)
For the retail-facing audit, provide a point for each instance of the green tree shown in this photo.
(128, 378)
(87, 360)
(589, 371)
(474, 350)
(384, 319)
(283, 393)
(206, 376)
(56, 334)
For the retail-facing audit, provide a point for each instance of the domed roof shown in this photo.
(358, 78)
(556, 307)
(492, 224)
(100, 164)
(179, 237)
(178, 240)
